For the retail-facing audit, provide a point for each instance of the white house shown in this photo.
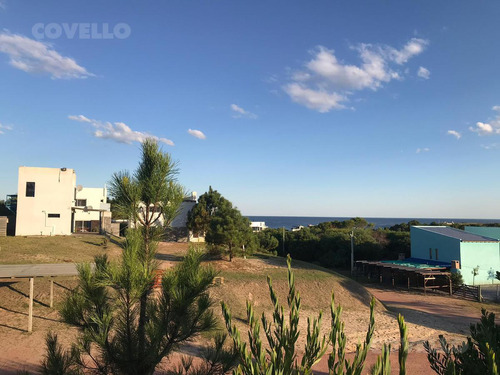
(178, 227)
(90, 203)
(44, 201)
(50, 203)
(258, 226)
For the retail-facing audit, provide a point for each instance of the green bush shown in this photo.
(456, 279)
(479, 355)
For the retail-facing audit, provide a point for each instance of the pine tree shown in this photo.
(126, 328)
(223, 225)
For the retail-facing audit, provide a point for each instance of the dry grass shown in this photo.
(244, 279)
(56, 249)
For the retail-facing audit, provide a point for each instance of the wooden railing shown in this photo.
(468, 292)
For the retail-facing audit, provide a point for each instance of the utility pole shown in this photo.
(352, 252)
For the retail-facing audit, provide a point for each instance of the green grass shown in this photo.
(55, 249)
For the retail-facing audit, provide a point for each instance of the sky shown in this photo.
(295, 108)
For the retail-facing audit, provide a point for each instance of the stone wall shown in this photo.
(3, 225)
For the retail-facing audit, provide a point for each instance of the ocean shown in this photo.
(379, 222)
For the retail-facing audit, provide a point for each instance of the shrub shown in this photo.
(456, 279)
(281, 357)
(480, 355)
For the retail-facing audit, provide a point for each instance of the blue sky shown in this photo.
(323, 108)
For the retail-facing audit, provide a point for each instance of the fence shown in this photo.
(468, 292)
(3, 225)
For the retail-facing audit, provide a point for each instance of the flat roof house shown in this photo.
(258, 226)
(478, 255)
(89, 208)
(44, 200)
(49, 203)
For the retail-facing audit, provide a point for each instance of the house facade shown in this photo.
(49, 203)
(90, 203)
(44, 201)
(177, 230)
(478, 256)
(258, 226)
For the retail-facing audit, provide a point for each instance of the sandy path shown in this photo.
(437, 312)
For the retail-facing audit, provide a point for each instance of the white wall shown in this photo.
(94, 197)
(54, 194)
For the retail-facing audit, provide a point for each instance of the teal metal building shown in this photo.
(478, 255)
(492, 232)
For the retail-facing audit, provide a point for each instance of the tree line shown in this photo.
(226, 230)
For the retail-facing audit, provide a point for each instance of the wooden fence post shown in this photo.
(51, 293)
(30, 309)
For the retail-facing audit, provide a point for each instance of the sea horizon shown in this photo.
(379, 222)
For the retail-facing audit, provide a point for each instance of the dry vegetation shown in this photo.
(244, 279)
(56, 249)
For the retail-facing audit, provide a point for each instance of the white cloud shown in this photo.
(318, 100)
(425, 149)
(454, 133)
(326, 81)
(197, 133)
(118, 131)
(484, 129)
(240, 112)
(80, 118)
(3, 128)
(423, 73)
(2, 4)
(488, 128)
(34, 56)
(413, 48)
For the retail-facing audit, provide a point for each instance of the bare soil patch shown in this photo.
(246, 279)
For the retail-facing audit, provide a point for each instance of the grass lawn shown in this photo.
(55, 249)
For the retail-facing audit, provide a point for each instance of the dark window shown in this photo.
(437, 258)
(54, 215)
(430, 253)
(30, 189)
(81, 202)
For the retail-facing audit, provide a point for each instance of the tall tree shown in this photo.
(125, 329)
(200, 216)
(229, 229)
(267, 241)
(222, 224)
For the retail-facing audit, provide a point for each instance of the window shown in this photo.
(30, 189)
(54, 215)
(430, 253)
(83, 226)
(81, 202)
(437, 258)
